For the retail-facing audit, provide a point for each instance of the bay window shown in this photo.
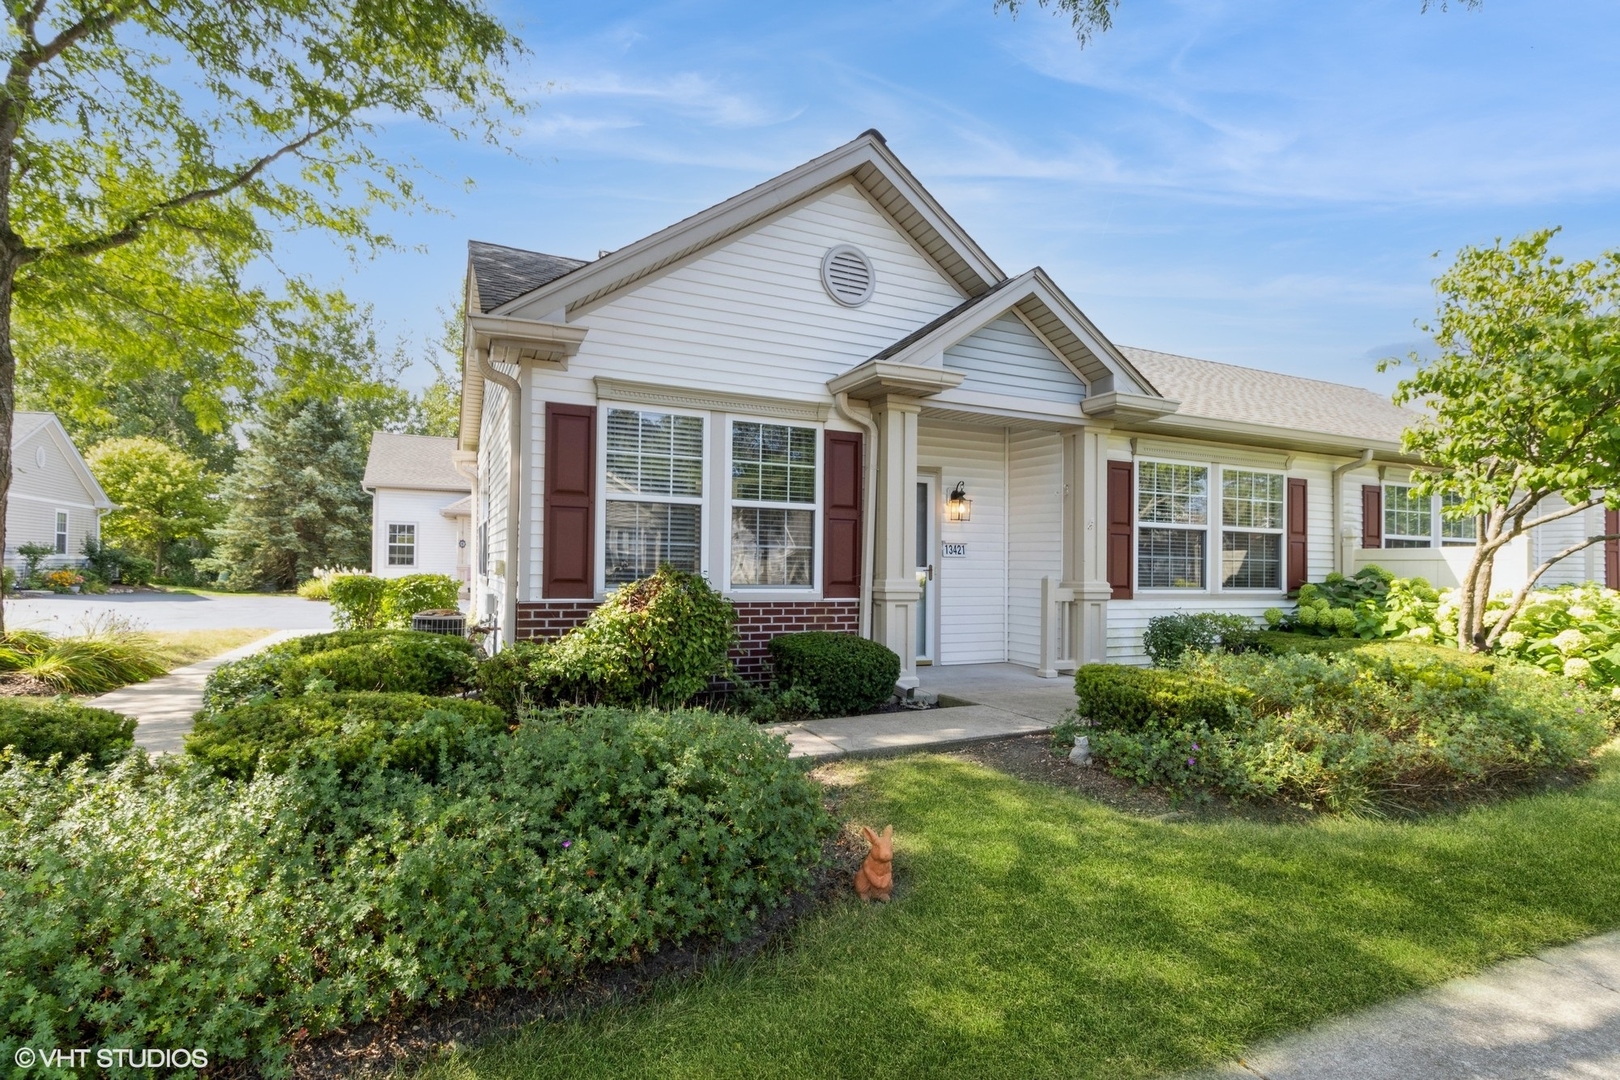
(773, 505)
(1172, 513)
(1251, 529)
(654, 488)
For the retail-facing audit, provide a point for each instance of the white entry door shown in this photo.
(927, 573)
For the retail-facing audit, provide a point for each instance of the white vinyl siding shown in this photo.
(972, 588)
(1035, 539)
(438, 538)
(1006, 357)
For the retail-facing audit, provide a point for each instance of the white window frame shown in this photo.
(1216, 579)
(1440, 524)
(388, 544)
(764, 592)
(1137, 524)
(604, 496)
(1437, 524)
(64, 523)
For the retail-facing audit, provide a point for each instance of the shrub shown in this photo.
(407, 595)
(38, 729)
(405, 661)
(1168, 636)
(156, 904)
(1114, 697)
(399, 731)
(137, 570)
(521, 675)
(32, 556)
(357, 601)
(847, 675)
(318, 585)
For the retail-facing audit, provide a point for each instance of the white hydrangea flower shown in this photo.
(1569, 640)
(1580, 611)
(1512, 639)
(1614, 695)
(1422, 633)
(1577, 668)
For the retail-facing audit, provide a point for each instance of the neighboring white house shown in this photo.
(420, 507)
(825, 397)
(54, 498)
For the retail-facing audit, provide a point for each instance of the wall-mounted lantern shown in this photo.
(959, 507)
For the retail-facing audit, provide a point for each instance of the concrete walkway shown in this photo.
(1554, 1016)
(986, 701)
(165, 705)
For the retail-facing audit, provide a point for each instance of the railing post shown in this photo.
(1048, 668)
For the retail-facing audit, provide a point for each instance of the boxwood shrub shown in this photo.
(847, 675)
(158, 905)
(403, 731)
(404, 661)
(1119, 698)
(38, 729)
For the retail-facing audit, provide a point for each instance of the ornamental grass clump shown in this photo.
(157, 904)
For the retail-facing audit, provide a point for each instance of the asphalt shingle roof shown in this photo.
(506, 273)
(413, 461)
(1218, 391)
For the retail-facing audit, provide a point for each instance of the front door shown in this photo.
(927, 578)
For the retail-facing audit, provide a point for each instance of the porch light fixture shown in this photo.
(959, 507)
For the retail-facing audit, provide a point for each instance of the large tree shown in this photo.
(151, 149)
(1522, 404)
(163, 495)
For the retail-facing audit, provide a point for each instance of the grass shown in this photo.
(1035, 933)
(181, 647)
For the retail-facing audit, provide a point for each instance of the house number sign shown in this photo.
(954, 551)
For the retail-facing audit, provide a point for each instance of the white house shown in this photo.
(421, 507)
(824, 396)
(54, 498)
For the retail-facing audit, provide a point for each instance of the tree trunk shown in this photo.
(8, 398)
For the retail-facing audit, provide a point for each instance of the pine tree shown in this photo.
(295, 498)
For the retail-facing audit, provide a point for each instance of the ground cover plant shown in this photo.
(405, 661)
(1035, 933)
(39, 730)
(157, 904)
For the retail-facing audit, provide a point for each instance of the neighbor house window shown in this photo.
(1251, 529)
(1408, 518)
(654, 481)
(401, 545)
(1457, 532)
(61, 532)
(773, 500)
(1172, 514)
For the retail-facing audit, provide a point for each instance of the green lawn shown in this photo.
(1036, 933)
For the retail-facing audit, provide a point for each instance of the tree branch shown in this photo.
(1523, 591)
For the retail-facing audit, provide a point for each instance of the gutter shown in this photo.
(868, 519)
(514, 482)
(1338, 505)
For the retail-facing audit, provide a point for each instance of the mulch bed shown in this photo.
(16, 684)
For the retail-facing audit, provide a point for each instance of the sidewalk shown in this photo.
(165, 705)
(1555, 1016)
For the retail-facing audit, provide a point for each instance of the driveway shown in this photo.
(170, 611)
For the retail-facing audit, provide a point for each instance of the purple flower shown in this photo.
(1192, 761)
(568, 843)
(1195, 747)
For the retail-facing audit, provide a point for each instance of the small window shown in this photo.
(401, 545)
(654, 513)
(1457, 531)
(1251, 529)
(61, 532)
(1408, 518)
(773, 498)
(1172, 513)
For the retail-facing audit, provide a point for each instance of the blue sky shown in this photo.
(1263, 182)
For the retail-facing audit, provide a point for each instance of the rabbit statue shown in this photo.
(876, 876)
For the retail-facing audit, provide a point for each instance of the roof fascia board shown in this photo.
(1184, 426)
(882, 378)
(901, 230)
(1087, 331)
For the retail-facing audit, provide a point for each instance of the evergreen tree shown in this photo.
(295, 498)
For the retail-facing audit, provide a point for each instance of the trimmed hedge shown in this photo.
(400, 661)
(1119, 698)
(412, 732)
(37, 730)
(848, 675)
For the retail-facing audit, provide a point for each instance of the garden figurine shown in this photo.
(1081, 754)
(876, 876)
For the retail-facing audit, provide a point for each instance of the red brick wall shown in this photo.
(757, 623)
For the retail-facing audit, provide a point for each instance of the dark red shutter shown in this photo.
(841, 517)
(570, 527)
(1611, 549)
(1297, 569)
(1121, 508)
(1372, 516)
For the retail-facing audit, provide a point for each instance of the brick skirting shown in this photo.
(757, 623)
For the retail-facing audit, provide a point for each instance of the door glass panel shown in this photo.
(924, 520)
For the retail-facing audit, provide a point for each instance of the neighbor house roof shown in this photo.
(502, 273)
(1226, 392)
(421, 462)
(24, 424)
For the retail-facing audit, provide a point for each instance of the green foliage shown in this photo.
(846, 675)
(1168, 636)
(1114, 697)
(156, 902)
(523, 674)
(405, 596)
(163, 495)
(37, 730)
(102, 658)
(404, 661)
(413, 732)
(357, 601)
(32, 556)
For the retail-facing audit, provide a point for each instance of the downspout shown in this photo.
(1338, 505)
(869, 518)
(514, 483)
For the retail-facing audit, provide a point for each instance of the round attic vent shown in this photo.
(847, 274)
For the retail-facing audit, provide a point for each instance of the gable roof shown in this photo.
(416, 462)
(866, 160)
(25, 425)
(503, 273)
(1209, 390)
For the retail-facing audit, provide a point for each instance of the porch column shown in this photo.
(895, 592)
(1085, 540)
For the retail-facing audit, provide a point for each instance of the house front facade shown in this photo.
(421, 507)
(826, 398)
(54, 500)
